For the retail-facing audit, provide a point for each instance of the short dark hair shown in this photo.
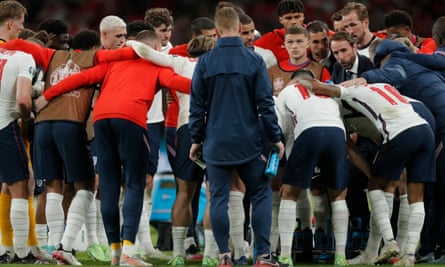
(438, 31)
(147, 35)
(136, 26)
(397, 18)
(317, 26)
(86, 40)
(295, 29)
(201, 23)
(302, 73)
(290, 6)
(245, 19)
(359, 8)
(342, 36)
(158, 16)
(53, 26)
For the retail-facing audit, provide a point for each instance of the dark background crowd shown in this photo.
(83, 14)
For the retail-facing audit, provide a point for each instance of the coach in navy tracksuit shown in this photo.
(421, 83)
(230, 94)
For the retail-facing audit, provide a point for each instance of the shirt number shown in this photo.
(390, 94)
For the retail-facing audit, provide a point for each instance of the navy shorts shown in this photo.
(185, 168)
(13, 159)
(324, 147)
(61, 152)
(154, 140)
(412, 149)
(171, 140)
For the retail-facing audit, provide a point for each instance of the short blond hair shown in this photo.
(226, 19)
(110, 22)
(11, 9)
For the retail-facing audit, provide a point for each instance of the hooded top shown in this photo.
(387, 47)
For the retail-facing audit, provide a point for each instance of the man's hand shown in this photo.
(354, 82)
(40, 103)
(280, 147)
(195, 152)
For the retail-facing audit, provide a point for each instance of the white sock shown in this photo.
(374, 239)
(19, 217)
(178, 234)
(304, 209)
(340, 217)
(415, 224)
(390, 200)
(54, 218)
(402, 223)
(211, 248)
(274, 231)
(380, 211)
(286, 224)
(143, 236)
(236, 217)
(42, 234)
(100, 229)
(76, 217)
(321, 210)
(90, 224)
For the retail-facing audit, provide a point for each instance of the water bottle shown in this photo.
(272, 163)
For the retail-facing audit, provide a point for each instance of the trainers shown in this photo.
(96, 253)
(49, 249)
(324, 257)
(406, 260)
(440, 260)
(115, 260)
(176, 261)
(340, 260)
(6, 257)
(225, 261)
(362, 259)
(319, 239)
(126, 260)
(28, 259)
(389, 252)
(192, 253)
(41, 254)
(64, 257)
(428, 258)
(285, 261)
(241, 261)
(266, 261)
(107, 251)
(156, 254)
(209, 262)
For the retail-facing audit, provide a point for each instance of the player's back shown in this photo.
(12, 65)
(307, 109)
(384, 106)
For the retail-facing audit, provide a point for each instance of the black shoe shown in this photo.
(28, 259)
(6, 258)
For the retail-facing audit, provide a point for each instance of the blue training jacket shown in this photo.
(230, 94)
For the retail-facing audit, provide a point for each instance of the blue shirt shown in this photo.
(230, 94)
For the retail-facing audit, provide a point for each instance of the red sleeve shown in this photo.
(104, 56)
(41, 55)
(179, 50)
(171, 80)
(87, 77)
(325, 75)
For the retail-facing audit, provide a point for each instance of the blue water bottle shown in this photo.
(272, 163)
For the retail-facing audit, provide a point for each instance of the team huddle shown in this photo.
(355, 117)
